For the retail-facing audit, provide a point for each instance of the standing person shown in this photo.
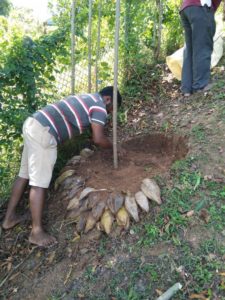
(48, 127)
(198, 20)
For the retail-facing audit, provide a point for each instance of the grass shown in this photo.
(198, 133)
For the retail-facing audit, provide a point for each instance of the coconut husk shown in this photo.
(74, 161)
(107, 221)
(131, 207)
(82, 221)
(98, 210)
(90, 224)
(86, 192)
(72, 193)
(142, 201)
(62, 177)
(86, 152)
(122, 218)
(73, 214)
(97, 196)
(83, 204)
(115, 202)
(74, 203)
(151, 190)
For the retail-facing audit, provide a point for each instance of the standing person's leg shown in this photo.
(38, 236)
(42, 153)
(11, 217)
(203, 24)
(187, 71)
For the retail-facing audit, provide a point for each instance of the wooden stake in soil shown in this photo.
(98, 45)
(115, 155)
(89, 45)
(73, 47)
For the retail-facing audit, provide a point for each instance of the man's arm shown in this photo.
(99, 137)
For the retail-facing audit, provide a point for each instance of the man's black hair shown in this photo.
(108, 91)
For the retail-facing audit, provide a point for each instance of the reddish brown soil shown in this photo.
(146, 156)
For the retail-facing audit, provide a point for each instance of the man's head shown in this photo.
(107, 95)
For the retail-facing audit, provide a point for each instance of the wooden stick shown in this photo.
(89, 45)
(73, 47)
(115, 154)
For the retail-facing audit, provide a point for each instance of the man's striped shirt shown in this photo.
(72, 115)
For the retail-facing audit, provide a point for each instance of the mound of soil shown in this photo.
(146, 156)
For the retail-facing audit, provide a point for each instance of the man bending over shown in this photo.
(46, 128)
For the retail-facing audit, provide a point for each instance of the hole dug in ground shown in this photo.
(89, 206)
(146, 156)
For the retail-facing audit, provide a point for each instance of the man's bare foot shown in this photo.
(41, 238)
(10, 222)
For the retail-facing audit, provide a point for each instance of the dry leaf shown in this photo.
(159, 292)
(199, 297)
(14, 276)
(51, 257)
(204, 215)
(190, 213)
(68, 274)
(77, 237)
(9, 266)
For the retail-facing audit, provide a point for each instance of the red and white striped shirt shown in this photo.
(72, 115)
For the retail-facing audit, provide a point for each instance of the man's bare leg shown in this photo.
(38, 236)
(11, 217)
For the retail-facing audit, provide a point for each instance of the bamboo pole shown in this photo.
(159, 5)
(98, 45)
(73, 47)
(89, 45)
(116, 48)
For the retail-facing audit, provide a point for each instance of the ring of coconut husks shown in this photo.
(89, 207)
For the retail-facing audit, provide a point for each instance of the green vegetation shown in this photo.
(5, 7)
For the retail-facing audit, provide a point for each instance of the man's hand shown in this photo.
(99, 137)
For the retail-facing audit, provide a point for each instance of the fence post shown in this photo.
(89, 45)
(73, 47)
(116, 48)
(98, 45)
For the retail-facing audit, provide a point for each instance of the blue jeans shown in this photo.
(199, 26)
